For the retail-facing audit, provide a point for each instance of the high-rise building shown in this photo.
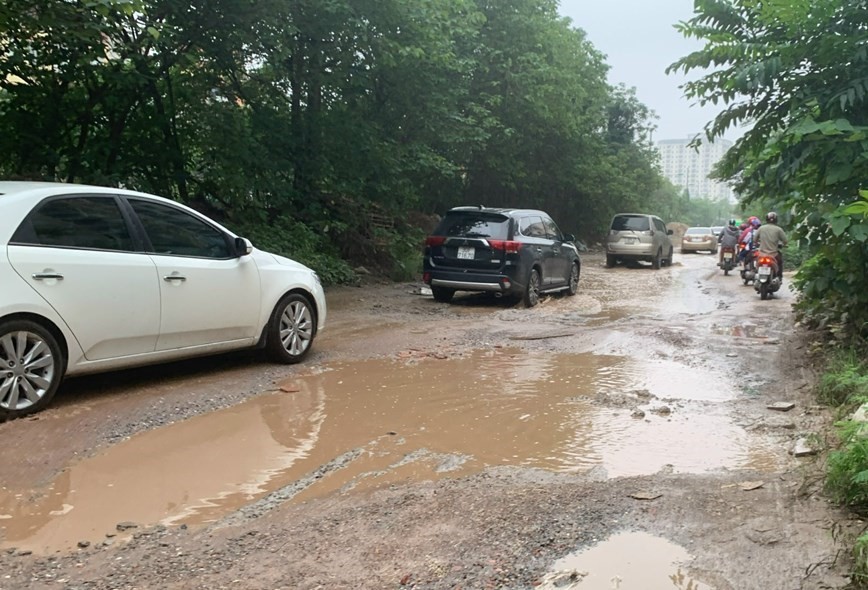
(689, 167)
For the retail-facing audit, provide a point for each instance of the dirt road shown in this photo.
(621, 438)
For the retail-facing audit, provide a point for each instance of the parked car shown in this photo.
(638, 236)
(697, 239)
(95, 279)
(517, 252)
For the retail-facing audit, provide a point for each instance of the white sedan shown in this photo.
(94, 279)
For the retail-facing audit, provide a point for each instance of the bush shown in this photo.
(406, 247)
(860, 555)
(794, 255)
(834, 291)
(845, 383)
(847, 474)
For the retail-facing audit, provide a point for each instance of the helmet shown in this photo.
(752, 218)
(772, 217)
(755, 222)
(733, 223)
(743, 226)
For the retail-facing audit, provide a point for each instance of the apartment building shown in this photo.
(689, 167)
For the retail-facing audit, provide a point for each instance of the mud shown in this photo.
(472, 445)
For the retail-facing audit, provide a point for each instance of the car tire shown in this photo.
(610, 261)
(291, 329)
(442, 294)
(37, 378)
(531, 292)
(668, 260)
(657, 260)
(574, 279)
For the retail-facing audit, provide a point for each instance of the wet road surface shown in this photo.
(638, 373)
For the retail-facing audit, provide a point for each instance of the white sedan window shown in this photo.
(76, 222)
(178, 233)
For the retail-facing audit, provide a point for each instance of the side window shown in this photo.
(76, 222)
(552, 229)
(658, 223)
(532, 227)
(178, 233)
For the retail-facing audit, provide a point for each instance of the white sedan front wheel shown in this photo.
(31, 368)
(291, 329)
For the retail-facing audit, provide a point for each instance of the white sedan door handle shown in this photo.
(44, 276)
(171, 278)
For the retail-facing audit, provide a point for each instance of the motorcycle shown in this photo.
(768, 279)
(728, 259)
(748, 268)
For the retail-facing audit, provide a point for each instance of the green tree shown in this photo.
(317, 126)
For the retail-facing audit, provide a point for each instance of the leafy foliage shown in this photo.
(847, 476)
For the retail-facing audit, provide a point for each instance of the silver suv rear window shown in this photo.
(631, 223)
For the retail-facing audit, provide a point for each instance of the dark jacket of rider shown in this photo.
(729, 237)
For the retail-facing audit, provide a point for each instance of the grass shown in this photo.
(844, 384)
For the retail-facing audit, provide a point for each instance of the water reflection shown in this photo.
(629, 561)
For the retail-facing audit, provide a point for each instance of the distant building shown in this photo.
(689, 168)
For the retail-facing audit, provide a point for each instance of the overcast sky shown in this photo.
(639, 41)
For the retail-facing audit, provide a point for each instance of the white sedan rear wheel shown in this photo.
(31, 368)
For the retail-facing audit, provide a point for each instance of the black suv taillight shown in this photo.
(507, 246)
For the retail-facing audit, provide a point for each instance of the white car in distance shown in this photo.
(95, 279)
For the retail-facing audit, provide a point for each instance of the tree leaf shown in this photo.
(859, 232)
(839, 224)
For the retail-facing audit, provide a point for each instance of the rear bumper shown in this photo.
(637, 251)
(469, 281)
(465, 285)
(697, 246)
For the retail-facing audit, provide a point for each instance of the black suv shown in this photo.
(518, 252)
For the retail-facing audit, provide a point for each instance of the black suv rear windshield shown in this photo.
(631, 222)
(474, 224)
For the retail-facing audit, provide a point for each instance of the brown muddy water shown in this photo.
(412, 418)
(626, 561)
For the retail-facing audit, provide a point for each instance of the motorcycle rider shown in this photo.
(747, 238)
(728, 238)
(771, 237)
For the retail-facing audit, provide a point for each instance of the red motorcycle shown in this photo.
(768, 276)
(748, 267)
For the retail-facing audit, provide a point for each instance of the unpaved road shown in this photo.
(620, 438)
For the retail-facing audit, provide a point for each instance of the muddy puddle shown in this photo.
(626, 561)
(415, 417)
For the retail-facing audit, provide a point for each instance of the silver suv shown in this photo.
(638, 236)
